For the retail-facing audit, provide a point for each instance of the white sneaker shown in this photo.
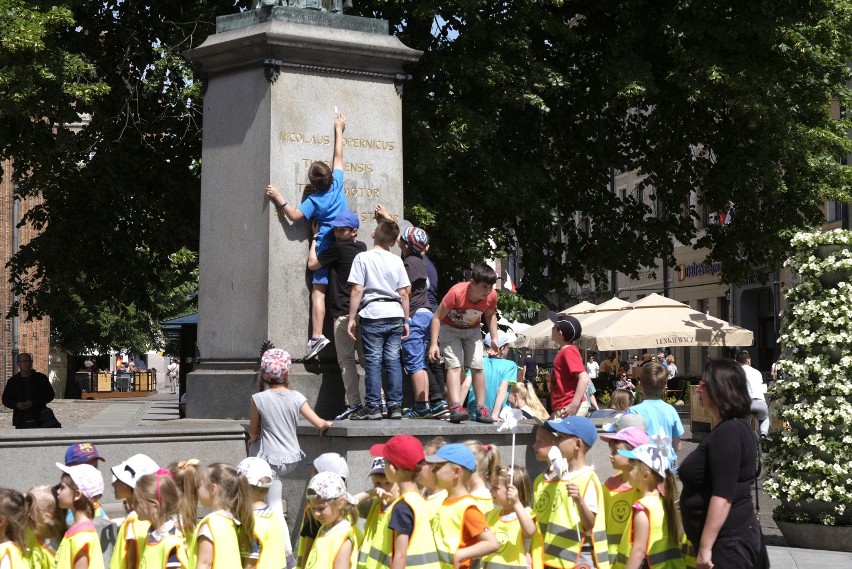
(315, 345)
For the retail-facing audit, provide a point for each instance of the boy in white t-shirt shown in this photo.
(380, 290)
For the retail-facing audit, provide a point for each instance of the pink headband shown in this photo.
(160, 473)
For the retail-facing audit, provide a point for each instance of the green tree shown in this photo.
(519, 112)
(119, 182)
(515, 119)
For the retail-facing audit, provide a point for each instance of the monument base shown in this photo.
(223, 389)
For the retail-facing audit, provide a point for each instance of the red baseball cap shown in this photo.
(403, 451)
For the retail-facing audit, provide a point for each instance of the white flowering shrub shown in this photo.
(810, 461)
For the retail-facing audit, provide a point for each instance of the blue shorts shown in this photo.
(320, 276)
(414, 347)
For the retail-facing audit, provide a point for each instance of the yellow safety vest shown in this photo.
(433, 503)
(37, 554)
(447, 527)
(226, 547)
(374, 527)
(661, 552)
(328, 543)
(421, 543)
(270, 536)
(80, 537)
(566, 545)
(140, 531)
(11, 551)
(687, 551)
(303, 549)
(512, 553)
(156, 553)
(484, 504)
(618, 507)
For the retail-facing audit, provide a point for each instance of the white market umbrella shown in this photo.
(658, 322)
(539, 335)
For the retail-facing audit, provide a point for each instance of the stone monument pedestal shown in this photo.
(273, 80)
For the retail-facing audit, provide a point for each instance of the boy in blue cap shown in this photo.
(461, 530)
(569, 495)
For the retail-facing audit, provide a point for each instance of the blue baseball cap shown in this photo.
(456, 453)
(346, 219)
(80, 453)
(574, 426)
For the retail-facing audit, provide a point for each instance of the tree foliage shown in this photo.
(520, 112)
(119, 181)
(515, 120)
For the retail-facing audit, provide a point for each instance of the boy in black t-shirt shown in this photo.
(413, 242)
(338, 258)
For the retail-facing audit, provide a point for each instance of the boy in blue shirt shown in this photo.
(323, 205)
(659, 416)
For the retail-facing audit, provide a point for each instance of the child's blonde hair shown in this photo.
(161, 489)
(669, 495)
(40, 502)
(487, 458)
(621, 400)
(234, 495)
(432, 446)
(526, 392)
(187, 477)
(520, 479)
(13, 508)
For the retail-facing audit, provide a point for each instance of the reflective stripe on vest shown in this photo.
(376, 545)
(447, 527)
(422, 552)
(377, 552)
(661, 552)
(510, 536)
(327, 545)
(560, 525)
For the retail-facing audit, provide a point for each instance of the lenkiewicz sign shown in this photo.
(676, 341)
(696, 269)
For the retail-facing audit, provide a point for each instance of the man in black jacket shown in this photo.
(27, 393)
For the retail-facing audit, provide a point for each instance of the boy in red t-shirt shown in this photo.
(456, 324)
(570, 378)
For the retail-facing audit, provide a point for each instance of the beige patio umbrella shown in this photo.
(657, 322)
(538, 336)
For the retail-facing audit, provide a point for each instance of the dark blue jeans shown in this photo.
(381, 339)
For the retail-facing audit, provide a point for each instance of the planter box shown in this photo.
(816, 536)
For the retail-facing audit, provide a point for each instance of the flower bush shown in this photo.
(810, 462)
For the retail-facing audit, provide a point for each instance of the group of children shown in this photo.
(449, 506)
(64, 527)
(390, 305)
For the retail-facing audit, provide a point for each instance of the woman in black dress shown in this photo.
(718, 514)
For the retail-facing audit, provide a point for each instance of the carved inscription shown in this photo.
(325, 140)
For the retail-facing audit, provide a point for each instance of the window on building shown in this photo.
(834, 210)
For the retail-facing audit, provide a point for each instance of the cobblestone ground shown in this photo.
(70, 412)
